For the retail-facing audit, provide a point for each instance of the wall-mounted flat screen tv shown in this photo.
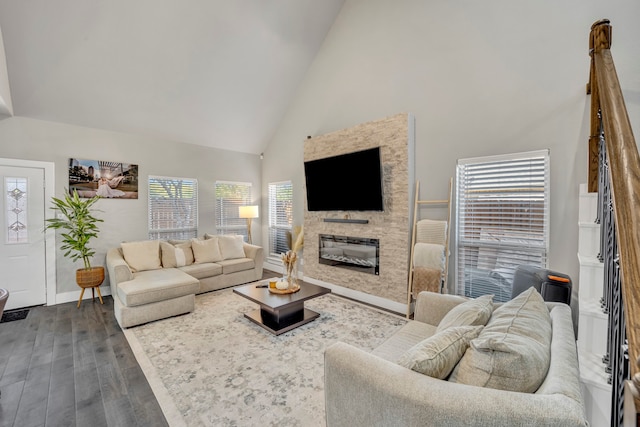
(349, 182)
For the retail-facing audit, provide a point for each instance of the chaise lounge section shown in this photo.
(152, 280)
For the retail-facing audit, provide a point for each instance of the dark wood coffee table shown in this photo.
(280, 313)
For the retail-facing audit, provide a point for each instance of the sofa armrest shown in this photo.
(118, 268)
(364, 390)
(431, 307)
(256, 253)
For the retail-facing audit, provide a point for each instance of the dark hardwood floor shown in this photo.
(64, 366)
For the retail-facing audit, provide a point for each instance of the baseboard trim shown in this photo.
(387, 304)
(73, 296)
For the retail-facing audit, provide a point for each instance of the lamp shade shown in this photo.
(248, 211)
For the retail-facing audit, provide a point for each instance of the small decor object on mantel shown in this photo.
(79, 227)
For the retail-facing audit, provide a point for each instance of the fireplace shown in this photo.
(355, 253)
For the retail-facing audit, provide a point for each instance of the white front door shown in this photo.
(22, 241)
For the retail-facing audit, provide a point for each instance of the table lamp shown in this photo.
(248, 212)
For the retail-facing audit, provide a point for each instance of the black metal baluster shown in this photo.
(616, 359)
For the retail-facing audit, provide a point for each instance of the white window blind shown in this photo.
(280, 217)
(502, 220)
(173, 208)
(229, 197)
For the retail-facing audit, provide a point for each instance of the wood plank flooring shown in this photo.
(63, 366)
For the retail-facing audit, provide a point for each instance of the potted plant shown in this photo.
(79, 227)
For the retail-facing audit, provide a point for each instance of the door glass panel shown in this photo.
(16, 214)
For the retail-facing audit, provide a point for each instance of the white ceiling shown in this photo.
(218, 73)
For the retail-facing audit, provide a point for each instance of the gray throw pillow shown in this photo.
(474, 312)
(513, 351)
(437, 355)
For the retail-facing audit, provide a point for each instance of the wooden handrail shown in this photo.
(624, 164)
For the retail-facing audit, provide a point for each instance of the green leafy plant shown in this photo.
(78, 223)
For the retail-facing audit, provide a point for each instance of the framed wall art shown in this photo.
(110, 180)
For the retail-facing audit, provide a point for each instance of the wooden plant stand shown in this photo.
(90, 278)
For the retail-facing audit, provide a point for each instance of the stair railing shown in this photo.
(614, 172)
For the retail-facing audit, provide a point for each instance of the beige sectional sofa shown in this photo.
(152, 279)
(521, 369)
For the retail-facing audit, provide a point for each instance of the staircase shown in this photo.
(592, 323)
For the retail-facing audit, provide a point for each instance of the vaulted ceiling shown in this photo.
(218, 73)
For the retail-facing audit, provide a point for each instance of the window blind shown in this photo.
(173, 208)
(502, 220)
(229, 197)
(280, 217)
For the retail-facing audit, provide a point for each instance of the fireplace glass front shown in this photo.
(355, 253)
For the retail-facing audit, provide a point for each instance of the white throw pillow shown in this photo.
(231, 247)
(143, 255)
(206, 250)
(470, 313)
(438, 355)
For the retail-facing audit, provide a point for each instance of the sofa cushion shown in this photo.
(400, 342)
(206, 250)
(231, 247)
(513, 351)
(437, 355)
(156, 285)
(235, 265)
(202, 271)
(474, 312)
(177, 255)
(143, 255)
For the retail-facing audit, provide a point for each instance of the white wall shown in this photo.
(481, 78)
(6, 108)
(126, 220)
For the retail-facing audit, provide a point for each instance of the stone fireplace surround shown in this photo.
(395, 136)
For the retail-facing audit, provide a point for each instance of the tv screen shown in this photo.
(349, 182)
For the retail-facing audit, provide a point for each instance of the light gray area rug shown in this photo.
(214, 367)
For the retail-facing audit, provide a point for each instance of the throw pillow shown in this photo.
(206, 250)
(438, 355)
(176, 255)
(470, 313)
(231, 247)
(513, 351)
(143, 255)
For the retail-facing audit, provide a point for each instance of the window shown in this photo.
(502, 220)
(229, 197)
(280, 217)
(15, 190)
(173, 208)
